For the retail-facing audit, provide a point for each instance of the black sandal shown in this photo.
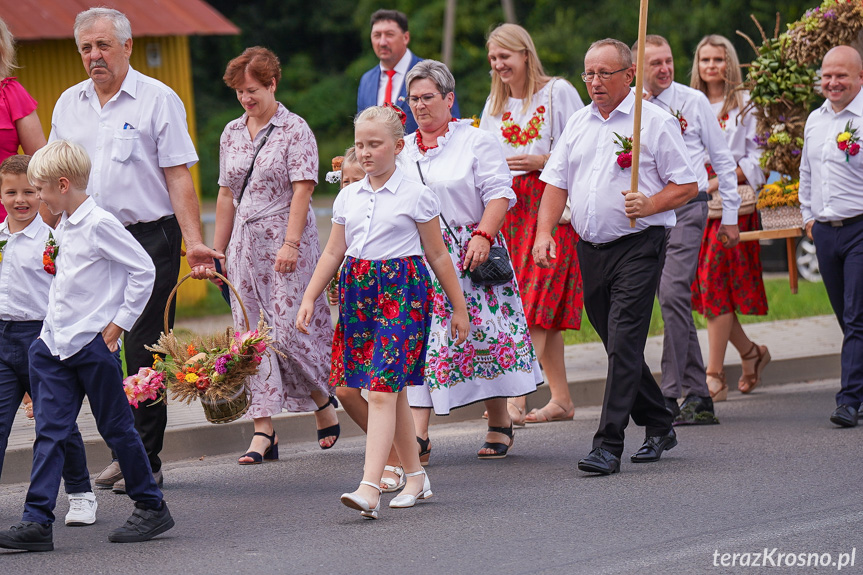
(500, 449)
(425, 450)
(333, 430)
(270, 454)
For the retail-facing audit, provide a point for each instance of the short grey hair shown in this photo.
(435, 71)
(623, 51)
(87, 18)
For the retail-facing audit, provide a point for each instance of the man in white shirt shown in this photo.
(385, 83)
(134, 130)
(831, 199)
(683, 373)
(620, 265)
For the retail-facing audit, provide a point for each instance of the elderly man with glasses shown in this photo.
(620, 264)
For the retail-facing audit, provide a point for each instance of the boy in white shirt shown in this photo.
(102, 283)
(24, 289)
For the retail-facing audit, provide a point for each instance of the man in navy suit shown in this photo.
(386, 81)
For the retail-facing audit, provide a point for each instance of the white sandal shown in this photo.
(406, 499)
(354, 501)
(389, 485)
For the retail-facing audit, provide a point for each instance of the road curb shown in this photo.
(207, 440)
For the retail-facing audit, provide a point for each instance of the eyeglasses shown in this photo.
(589, 76)
(426, 98)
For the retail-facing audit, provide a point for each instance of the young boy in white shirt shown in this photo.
(102, 283)
(24, 289)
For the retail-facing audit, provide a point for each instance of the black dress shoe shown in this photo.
(844, 416)
(600, 461)
(28, 536)
(696, 410)
(143, 525)
(671, 405)
(652, 448)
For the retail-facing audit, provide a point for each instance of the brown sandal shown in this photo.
(717, 386)
(749, 381)
(541, 415)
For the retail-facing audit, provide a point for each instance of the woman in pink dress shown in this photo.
(19, 123)
(267, 231)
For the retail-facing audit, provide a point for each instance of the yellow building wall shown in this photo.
(49, 67)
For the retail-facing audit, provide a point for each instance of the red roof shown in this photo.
(54, 19)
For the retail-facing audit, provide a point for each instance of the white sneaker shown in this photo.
(82, 509)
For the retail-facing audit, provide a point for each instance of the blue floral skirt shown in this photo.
(384, 322)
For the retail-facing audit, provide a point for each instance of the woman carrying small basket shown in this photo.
(268, 168)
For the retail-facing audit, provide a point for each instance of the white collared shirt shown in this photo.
(103, 276)
(585, 164)
(703, 138)
(140, 131)
(740, 132)
(547, 124)
(831, 183)
(24, 283)
(402, 69)
(382, 224)
(466, 171)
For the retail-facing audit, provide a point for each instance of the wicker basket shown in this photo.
(780, 218)
(227, 409)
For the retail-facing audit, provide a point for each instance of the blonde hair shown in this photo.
(7, 50)
(385, 116)
(733, 77)
(350, 156)
(60, 159)
(514, 38)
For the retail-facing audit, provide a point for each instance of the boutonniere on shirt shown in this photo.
(847, 141)
(624, 155)
(2, 247)
(679, 115)
(515, 135)
(49, 256)
(723, 120)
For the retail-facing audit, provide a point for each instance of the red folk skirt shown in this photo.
(729, 280)
(552, 297)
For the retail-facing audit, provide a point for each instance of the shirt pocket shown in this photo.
(125, 146)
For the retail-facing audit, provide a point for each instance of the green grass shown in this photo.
(811, 299)
(212, 304)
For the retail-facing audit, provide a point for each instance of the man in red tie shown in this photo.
(386, 81)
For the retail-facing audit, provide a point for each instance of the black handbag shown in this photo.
(494, 271)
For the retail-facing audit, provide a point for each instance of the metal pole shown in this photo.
(448, 32)
(509, 11)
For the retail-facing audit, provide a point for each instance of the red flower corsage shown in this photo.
(49, 256)
(624, 155)
(847, 141)
(683, 123)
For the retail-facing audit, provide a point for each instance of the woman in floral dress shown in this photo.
(728, 280)
(269, 236)
(526, 111)
(467, 170)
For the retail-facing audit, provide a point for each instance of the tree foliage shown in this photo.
(324, 48)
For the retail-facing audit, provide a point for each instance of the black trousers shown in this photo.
(162, 240)
(620, 280)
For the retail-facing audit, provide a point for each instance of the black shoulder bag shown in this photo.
(252, 166)
(494, 271)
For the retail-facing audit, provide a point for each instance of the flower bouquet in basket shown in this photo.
(210, 368)
(779, 205)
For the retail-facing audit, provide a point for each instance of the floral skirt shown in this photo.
(729, 280)
(496, 360)
(384, 320)
(551, 296)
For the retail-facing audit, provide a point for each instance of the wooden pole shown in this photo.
(448, 32)
(509, 11)
(639, 90)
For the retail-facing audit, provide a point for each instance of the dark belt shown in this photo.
(700, 197)
(144, 227)
(845, 222)
(618, 240)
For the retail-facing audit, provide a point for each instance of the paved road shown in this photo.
(774, 474)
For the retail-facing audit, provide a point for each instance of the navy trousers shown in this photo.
(620, 280)
(59, 386)
(16, 338)
(840, 259)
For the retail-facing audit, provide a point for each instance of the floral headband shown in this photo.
(402, 116)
